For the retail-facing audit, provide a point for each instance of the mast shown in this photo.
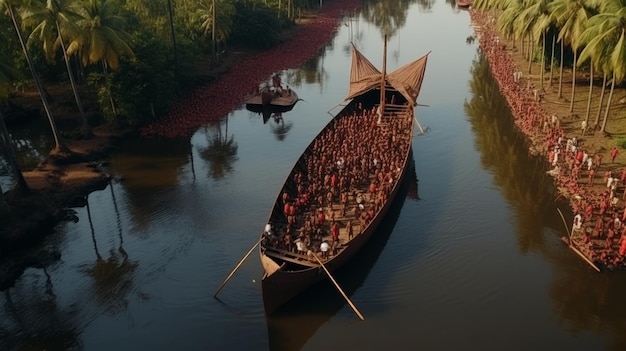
(382, 83)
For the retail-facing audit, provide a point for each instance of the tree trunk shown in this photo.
(173, 35)
(22, 186)
(590, 92)
(571, 103)
(530, 53)
(595, 125)
(108, 87)
(552, 59)
(543, 58)
(58, 145)
(608, 105)
(561, 73)
(86, 129)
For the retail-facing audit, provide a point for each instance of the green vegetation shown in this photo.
(132, 57)
(590, 33)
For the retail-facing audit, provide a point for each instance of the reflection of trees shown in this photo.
(388, 16)
(311, 72)
(523, 180)
(113, 276)
(583, 302)
(30, 319)
(146, 167)
(427, 5)
(221, 151)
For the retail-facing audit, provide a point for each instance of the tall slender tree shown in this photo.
(606, 35)
(54, 21)
(8, 74)
(10, 6)
(215, 20)
(571, 17)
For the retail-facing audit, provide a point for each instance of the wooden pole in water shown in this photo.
(569, 243)
(339, 288)
(569, 235)
(237, 267)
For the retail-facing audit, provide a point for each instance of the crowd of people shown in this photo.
(341, 182)
(599, 228)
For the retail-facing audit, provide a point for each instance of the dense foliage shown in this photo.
(133, 57)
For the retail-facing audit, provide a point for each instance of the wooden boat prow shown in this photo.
(380, 112)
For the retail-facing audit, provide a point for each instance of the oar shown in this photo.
(237, 267)
(569, 243)
(569, 235)
(339, 288)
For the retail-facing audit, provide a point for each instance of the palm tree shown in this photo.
(527, 22)
(543, 22)
(10, 6)
(506, 20)
(606, 32)
(7, 74)
(215, 18)
(571, 17)
(104, 39)
(54, 20)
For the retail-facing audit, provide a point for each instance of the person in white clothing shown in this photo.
(324, 247)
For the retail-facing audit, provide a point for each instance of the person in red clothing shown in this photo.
(592, 175)
(321, 217)
(334, 231)
(614, 153)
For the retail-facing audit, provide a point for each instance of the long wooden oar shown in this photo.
(569, 235)
(237, 267)
(339, 288)
(571, 246)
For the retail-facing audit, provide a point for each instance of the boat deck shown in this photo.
(284, 100)
(351, 214)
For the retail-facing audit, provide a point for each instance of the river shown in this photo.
(470, 258)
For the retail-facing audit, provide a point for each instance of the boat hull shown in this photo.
(281, 285)
(265, 100)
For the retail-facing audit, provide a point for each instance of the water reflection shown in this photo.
(312, 70)
(112, 277)
(221, 151)
(388, 16)
(146, 168)
(504, 152)
(31, 319)
(583, 300)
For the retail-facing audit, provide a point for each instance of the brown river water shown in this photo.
(470, 257)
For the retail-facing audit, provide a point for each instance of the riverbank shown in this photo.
(62, 182)
(582, 165)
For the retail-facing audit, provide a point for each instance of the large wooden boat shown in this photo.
(346, 178)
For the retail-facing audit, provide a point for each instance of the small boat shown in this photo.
(344, 183)
(464, 3)
(275, 96)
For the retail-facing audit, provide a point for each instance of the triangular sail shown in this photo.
(408, 78)
(365, 77)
